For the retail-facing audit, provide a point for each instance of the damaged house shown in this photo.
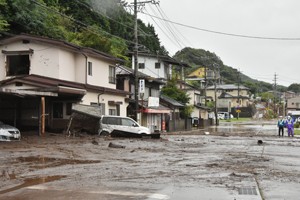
(41, 78)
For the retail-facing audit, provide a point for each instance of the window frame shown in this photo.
(141, 65)
(157, 65)
(112, 75)
(112, 112)
(13, 70)
(90, 68)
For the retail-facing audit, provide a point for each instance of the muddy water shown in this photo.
(40, 162)
(31, 182)
(191, 166)
(245, 129)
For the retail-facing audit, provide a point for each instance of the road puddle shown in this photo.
(33, 181)
(40, 162)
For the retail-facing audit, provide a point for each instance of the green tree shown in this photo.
(171, 90)
(267, 96)
(3, 23)
(295, 87)
(103, 25)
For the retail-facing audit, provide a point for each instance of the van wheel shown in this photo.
(104, 133)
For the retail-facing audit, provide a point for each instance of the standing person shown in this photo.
(280, 125)
(290, 126)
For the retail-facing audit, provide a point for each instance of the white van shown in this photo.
(108, 123)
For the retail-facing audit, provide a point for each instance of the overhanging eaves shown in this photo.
(27, 92)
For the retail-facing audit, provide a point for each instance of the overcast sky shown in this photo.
(258, 58)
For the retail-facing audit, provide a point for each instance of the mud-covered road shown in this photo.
(232, 161)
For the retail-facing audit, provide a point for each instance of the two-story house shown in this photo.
(151, 113)
(160, 67)
(229, 96)
(293, 104)
(197, 100)
(42, 77)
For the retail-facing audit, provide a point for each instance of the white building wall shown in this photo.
(46, 60)
(43, 61)
(104, 98)
(100, 74)
(80, 68)
(66, 65)
(192, 97)
(150, 67)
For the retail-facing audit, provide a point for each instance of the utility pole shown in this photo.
(205, 84)
(275, 91)
(135, 55)
(238, 103)
(215, 88)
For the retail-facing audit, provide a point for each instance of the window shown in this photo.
(157, 65)
(118, 110)
(112, 74)
(90, 68)
(17, 65)
(68, 108)
(58, 110)
(141, 65)
(112, 112)
(154, 92)
(127, 122)
(111, 120)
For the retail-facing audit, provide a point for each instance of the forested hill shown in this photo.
(100, 24)
(200, 58)
(105, 25)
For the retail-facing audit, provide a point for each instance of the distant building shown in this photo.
(229, 95)
(160, 67)
(293, 104)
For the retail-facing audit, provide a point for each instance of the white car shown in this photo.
(9, 133)
(109, 123)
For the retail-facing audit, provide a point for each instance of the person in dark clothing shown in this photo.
(280, 125)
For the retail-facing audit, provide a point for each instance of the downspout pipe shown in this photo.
(99, 97)
(86, 66)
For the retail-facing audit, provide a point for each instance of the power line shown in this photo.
(224, 33)
(165, 16)
(169, 28)
(167, 35)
